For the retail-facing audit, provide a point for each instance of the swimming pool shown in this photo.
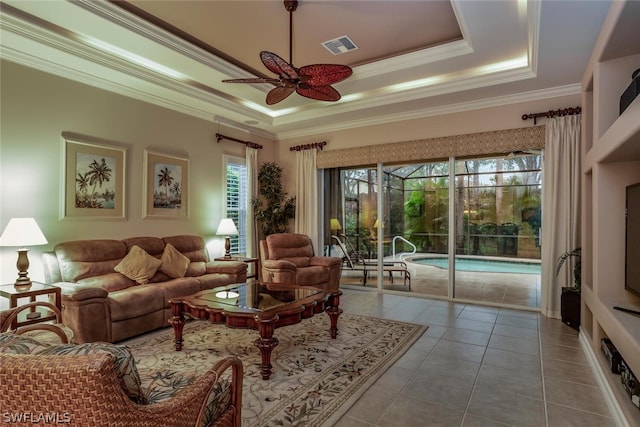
(481, 265)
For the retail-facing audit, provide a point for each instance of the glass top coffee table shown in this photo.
(255, 305)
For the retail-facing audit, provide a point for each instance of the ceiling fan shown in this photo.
(311, 81)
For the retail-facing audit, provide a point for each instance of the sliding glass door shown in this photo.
(498, 205)
(402, 214)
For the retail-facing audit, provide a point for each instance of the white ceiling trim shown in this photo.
(534, 16)
(440, 110)
(41, 48)
(414, 59)
(122, 18)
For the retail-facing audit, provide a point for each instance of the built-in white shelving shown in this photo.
(610, 162)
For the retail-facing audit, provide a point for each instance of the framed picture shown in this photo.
(93, 175)
(166, 186)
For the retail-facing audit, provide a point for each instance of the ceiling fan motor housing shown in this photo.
(290, 5)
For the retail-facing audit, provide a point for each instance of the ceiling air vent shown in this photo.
(340, 45)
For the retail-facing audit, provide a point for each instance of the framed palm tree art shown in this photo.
(166, 185)
(93, 179)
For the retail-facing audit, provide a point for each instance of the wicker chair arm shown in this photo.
(169, 411)
(84, 390)
(7, 318)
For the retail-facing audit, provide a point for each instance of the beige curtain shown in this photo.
(251, 155)
(306, 221)
(560, 206)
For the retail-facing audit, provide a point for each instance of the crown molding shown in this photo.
(499, 101)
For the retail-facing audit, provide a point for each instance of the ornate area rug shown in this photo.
(315, 379)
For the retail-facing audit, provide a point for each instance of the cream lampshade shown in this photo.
(374, 228)
(335, 225)
(227, 228)
(22, 232)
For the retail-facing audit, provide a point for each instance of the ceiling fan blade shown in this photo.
(277, 65)
(321, 93)
(324, 74)
(252, 80)
(279, 93)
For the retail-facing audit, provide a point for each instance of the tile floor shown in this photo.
(501, 288)
(478, 366)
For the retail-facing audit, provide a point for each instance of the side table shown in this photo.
(253, 261)
(34, 315)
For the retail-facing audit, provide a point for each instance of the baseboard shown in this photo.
(605, 386)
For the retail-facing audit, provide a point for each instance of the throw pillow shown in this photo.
(138, 265)
(174, 264)
(125, 364)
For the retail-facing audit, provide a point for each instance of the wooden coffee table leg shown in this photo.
(266, 343)
(333, 310)
(177, 321)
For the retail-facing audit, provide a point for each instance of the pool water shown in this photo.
(481, 265)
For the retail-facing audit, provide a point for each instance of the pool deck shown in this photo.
(510, 289)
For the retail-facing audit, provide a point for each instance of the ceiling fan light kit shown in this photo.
(311, 81)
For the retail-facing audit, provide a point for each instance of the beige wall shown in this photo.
(37, 107)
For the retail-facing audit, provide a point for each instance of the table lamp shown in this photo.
(335, 225)
(374, 229)
(227, 228)
(22, 232)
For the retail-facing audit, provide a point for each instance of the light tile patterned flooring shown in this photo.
(501, 288)
(478, 366)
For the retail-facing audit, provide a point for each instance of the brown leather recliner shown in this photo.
(289, 258)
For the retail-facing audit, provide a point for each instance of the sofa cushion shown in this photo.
(313, 275)
(289, 245)
(174, 264)
(179, 287)
(135, 301)
(125, 364)
(196, 268)
(86, 258)
(138, 265)
(298, 261)
(109, 282)
(193, 247)
(151, 245)
(19, 344)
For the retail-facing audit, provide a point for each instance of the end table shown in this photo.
(253, 261)
(34, 315)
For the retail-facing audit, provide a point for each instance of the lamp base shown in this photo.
(23, 283)
(227, 247)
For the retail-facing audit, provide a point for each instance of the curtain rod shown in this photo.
(552, 113)
(249, 144)
(309, 146)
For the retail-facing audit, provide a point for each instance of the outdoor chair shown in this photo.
(353, 260)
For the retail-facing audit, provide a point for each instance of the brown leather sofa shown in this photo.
(102, 304)
(289, 258)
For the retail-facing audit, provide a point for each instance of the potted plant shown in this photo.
(570, 298)
(273, 209)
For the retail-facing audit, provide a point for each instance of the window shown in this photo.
(236, 178)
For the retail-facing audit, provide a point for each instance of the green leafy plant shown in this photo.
(273, 209)
(577, 267)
